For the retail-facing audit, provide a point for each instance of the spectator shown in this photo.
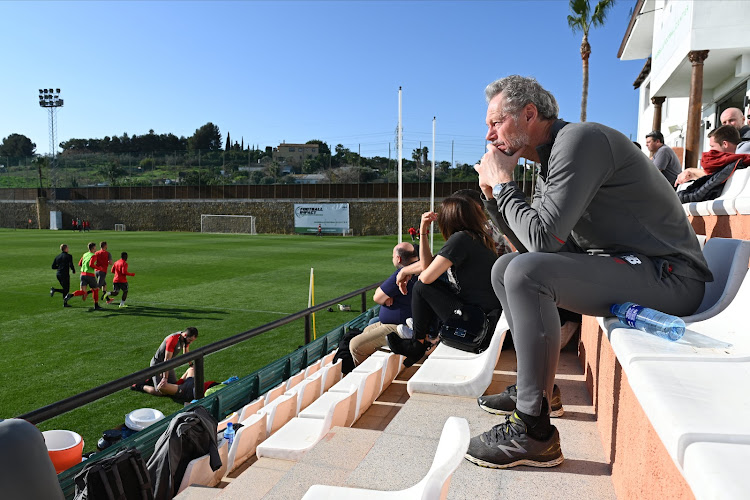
(722, 141)
(172, 345)
(467, 257)
(395, 307)
(63, 263)
(604, 231)
(735, 118)
(664, 157)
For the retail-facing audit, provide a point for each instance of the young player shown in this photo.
(88, 278)
(120, 282)
(101, 264)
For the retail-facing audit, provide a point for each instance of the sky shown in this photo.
(290, 71)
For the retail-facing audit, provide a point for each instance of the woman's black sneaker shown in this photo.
(509, 444)
(412, 349)
(505, 402)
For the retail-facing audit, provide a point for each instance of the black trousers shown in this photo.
(64, 280)
(429, 302)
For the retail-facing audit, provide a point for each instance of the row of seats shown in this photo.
(692, 390)
(734, 198)
(262, 417)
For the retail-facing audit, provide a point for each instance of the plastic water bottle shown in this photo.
(229, 434)
(648, 320)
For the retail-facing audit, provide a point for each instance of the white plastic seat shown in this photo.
(452, 372)
(251, 408)
(391, 368)
(299, 435)
(307, 391)
(330, 375)
(328, 358)
(313, 368)
(232, 417)
(275, 392)
(367, 384)
(246, 440)
(373, 363)
(279, 411)
(344, 417)
(718, 470)
(295, 379)
(454, 441)
(724, 204)
(199, 471)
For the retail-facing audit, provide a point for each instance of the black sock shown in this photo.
(537, 427)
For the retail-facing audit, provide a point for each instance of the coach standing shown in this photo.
(63, 263)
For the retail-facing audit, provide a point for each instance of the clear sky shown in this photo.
(294, 71)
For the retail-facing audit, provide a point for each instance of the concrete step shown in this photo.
(198, 493)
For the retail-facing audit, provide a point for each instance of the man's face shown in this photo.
(652, 144)
(503, 130)
(722, 147)
(732, 117)
(188, 339)
(395, 259)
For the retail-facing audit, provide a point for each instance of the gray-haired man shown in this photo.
(604, 227)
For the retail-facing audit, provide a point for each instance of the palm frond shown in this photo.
(600, 12)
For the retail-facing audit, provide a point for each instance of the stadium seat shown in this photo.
(391, 369)
(452, 372)
(344, 417)
(307, 391)
(724, 204)
(199, 471)
(232, 417)
(299, 435)
(454, 441)
(330, 375)
(373, 363)
(295, 379)
(246, 440)
(251, 408)
(328, 358)
(367, 384)
(275, 392)
(718, 470)
(313, 368)
(279, 411)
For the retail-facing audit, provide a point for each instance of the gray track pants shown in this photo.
(531, 286)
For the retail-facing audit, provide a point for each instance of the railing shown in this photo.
(73, 402)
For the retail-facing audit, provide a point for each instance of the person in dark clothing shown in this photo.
(63, 263)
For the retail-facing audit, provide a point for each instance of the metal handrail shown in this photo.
(83, 398)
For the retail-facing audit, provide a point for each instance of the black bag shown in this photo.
(123, 476)
(347, 361)
(469, 329)
(708, 187)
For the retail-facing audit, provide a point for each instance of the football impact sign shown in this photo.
(333, 218)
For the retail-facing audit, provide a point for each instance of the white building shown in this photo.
(694, 48)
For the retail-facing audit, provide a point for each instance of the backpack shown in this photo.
(470, 331)
(347, 361)
(123, 476)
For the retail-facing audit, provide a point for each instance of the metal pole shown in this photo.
(308, 337)
(432, 187)
(199, 376)
(400, 173)
(364, 301)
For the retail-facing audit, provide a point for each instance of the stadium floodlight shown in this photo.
(50, 99)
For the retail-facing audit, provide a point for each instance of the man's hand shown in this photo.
(689, 174)
(389, 302)
(427, 219)
(402, 279)
(495, 168)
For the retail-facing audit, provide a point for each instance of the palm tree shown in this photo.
(584, 20)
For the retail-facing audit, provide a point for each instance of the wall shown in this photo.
(370, 217)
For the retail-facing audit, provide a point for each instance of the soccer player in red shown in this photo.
(173, 345)
(101, 264)
(88, 278)
(120, 282)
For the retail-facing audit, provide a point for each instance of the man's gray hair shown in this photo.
(520, 91)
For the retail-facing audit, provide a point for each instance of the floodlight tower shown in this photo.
(50, 99)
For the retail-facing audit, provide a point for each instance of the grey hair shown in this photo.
(520, 91)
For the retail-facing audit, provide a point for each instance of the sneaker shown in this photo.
(109, 299)
(97, 307)
(412, 349)
(66, 299)
(405, 332)
(509, 444)
(505, 402)
(65, 304)
(410, 323)
(123, 305)
(52, 292)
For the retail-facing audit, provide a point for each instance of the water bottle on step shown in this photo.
(648, 320)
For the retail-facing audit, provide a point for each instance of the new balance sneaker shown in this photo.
(405, 332)
(509, 444)
(505, 402)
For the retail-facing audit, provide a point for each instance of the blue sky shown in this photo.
(293, 71)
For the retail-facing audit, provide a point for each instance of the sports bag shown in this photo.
(469, 329)
(123, 476)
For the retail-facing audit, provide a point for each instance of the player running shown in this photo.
(101, 263)
(120, 282)
(88, 278)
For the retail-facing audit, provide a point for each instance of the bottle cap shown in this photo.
(229, 425)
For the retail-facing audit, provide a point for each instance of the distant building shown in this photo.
(309, 178)
(294, 154)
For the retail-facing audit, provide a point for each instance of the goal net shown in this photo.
(244, 224)
(119, 227)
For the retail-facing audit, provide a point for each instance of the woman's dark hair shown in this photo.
(459, 213)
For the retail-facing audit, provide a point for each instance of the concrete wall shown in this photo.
(371, 217)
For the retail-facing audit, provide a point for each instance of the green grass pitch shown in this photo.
(222, 284)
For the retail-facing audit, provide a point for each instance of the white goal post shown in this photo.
(119, 227)
(241, 224)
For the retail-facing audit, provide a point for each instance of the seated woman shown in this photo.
(466, 257)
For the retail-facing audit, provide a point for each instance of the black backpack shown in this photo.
(347, 361)
(123, 476)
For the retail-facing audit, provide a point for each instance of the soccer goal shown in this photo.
(244, 224)
(348, 232)
(119, 227)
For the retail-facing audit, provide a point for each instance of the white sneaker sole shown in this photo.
(553, 414)
(523, 461)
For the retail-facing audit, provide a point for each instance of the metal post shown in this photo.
(198, 389)
(364, 302)
(307, 329)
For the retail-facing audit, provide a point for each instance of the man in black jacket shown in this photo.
(63, 263)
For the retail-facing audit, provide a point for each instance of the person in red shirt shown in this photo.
(120, 282)
(102, 261)
(413, 234)
(172, 345)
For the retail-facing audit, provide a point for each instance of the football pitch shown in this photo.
(222, 284)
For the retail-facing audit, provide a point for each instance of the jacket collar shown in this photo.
(545, 150)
